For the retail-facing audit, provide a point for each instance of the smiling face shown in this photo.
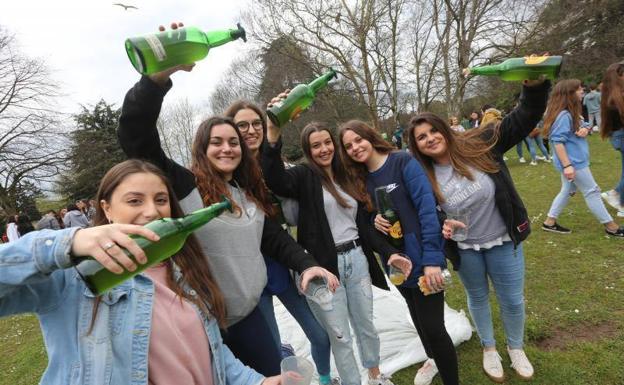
(139, 199)
(249, 124)
(224, 149)
(358, 148)
(429, 141)
(321, 148)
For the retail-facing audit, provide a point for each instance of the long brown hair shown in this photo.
(563, 97)
(211, 184)
(238, 105)
(352, 186)
(470, 149)
(612, 98)
(190, 259)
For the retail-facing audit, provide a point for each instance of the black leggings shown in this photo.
(252, 343)
(427, 313)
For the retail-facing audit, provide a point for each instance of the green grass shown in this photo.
(583, 271)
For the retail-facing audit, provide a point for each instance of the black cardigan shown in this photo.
(313, 232)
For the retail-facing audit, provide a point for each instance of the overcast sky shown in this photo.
(82, 43)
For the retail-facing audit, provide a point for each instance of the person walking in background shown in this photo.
(468, 174)
(74, 217)
(563, 127)
(592, 102)
(612, 127)
(48, 221)
(474, 121)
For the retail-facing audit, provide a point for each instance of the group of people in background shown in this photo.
(206, 314)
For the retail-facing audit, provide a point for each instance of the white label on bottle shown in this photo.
(157, 47)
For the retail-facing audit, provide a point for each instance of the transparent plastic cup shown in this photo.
(318, 292)
(459, 234)
(395, 274)
(296, 371)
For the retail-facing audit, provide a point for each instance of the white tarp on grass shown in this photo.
(400, 345)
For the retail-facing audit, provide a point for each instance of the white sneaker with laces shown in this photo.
(492, 366)
(520, 363)
(533, 163)
(426, 373)
(612, 197)
(381, 380)
(521, 160)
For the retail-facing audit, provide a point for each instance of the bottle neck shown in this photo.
(486, 70)
(220, 37)
(200, 217)
(322, 81)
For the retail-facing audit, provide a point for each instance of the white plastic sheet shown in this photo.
(400, 345)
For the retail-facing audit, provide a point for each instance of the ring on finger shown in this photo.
(109, 245)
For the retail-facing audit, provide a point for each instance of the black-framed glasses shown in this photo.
(243, 126)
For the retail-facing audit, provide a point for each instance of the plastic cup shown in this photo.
(459, 234)
(318, 292)
(395, 274)
(296, 371)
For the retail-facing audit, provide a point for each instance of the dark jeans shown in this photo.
(252, 343)
(427, 313)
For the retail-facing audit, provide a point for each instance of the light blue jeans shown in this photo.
(583, 181)
(504, 266)
(531, 142)
(353, 300)
(297, 306)
(617, 140)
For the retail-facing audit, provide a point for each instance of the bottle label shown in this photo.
(532, 60)
(157, 47)
(395, 230)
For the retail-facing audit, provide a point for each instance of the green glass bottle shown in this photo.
(299, 99)
(173, 233)
(386, 209)
(158, 51)
(521, 68)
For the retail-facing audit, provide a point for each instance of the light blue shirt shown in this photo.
(36, 276)
(576, 147)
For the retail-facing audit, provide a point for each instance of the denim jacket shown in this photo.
(35, 277)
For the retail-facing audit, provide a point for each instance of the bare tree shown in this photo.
(241, 81)
(31, 142)
(176, 125)
(358, 38)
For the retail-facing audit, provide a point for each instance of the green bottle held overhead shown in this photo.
(299, 99)
(173, 233)
(386, 209)
(521, 68)
(158, 51)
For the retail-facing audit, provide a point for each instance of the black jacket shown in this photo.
(512, 130)
(139, 138)
(313, 233)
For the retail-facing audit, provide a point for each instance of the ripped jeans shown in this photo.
(353, 300)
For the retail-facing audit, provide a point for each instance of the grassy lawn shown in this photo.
(574, 292)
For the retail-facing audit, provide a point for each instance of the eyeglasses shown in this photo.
(243, 126)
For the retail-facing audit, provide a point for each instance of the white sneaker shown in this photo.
(426, 373)
(492, 366)
(381, 380)
(612, 197)
(539, 157)
(547, 160)
(505, 158)
(595, 129)
(521, 160)
(620, 213)
(533, 163)
(520, 363)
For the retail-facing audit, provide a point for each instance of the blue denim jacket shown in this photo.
(35, 277)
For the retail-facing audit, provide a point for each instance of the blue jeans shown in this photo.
(353, 300)
(504, 265)
(583, 181)
(298, 308)
(531, 149)
(617, 140)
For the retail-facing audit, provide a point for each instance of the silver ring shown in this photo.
(109, 245)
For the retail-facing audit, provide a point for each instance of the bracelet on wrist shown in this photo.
(566, 166)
